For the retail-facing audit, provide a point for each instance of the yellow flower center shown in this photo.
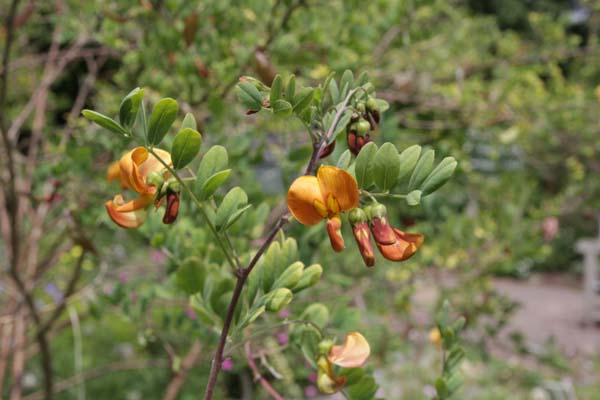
(331, 209)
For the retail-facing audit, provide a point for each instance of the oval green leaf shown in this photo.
(213, 183)
(363, 168)
(386, 166)
(105, 122)
(185, 147)
(162, 117)
(422, 169)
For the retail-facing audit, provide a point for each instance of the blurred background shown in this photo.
(511, 88)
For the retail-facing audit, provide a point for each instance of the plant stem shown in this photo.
(243, 273)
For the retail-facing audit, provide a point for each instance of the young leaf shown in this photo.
(334, 92)
(290, 277)
(310, 277)
(249, 95)
(363, 166)
(386, 166)
(130, 106)
(344, 160)
(162, 117)
(364, 389)
(233, 200)
(439, 176)
(211, 185)
(422, 169)
(185, 147)
(303, 100)
(408, 160)
(214, 160)
(276, 89)
(343, 121)
(105, 122)
(347, 81)
(282, 108)
(235, 216)
(290, 89)
(189, 121)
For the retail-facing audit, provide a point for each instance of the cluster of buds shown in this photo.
(352, 354)
(364, 120)
(393, 244)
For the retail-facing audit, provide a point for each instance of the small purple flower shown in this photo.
(227, 364)
(313, 377)
(284, 313)
(283, 338)
(311, 391)
(190, 313)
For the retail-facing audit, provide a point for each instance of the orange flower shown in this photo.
(352, 354)
(314, 198)
(403, 248)
(134, 168)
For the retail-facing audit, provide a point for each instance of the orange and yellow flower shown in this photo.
(352, 354)
(314, 198)
(133, 171)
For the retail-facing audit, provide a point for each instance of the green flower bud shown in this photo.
(310, 277)
(363, 126)
(325, 345)
(278, 299)
(290, 277)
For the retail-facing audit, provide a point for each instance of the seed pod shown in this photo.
(172, 209)
(327, 150)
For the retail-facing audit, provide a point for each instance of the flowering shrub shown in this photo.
(232, 295)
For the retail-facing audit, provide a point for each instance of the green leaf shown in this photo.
(342, 123)
(130, 106)
(276, 89)
(386, 166)
(347, 80)
(344, 160)
(233, 200)
(215, 159)
(235, 216)
(105, 122)
(422, 169)
(363, 166)
(140, 127)
(190, 275)
(408, 160)
(310, 277)
(334, 92)
(362, 79)
(290, 277)
(247, 100)
(382, 105)
(364, 389)
(317, 313)
(185, 147)
(251, 91)
(439, 176)
(290, 89)
(278, 299)
(189, 121)
(303, 100)
(251, 316)
(213, 183)
(282, 108)
(162, 117)
(413, 198)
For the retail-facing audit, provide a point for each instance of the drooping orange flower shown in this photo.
(352, 354)
(314, 198)
(134, 168)
(405, 246)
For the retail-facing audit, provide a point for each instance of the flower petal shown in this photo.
(131, 214)
(301, 198)
(353, 353)
(129, 164)
(114, 173)
(340, 184)
(153, 165)
(334, 230)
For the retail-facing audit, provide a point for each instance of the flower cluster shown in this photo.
(352, 354)
(363, 121)
(311, 199)
(143, 173)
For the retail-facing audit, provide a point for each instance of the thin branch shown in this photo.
(243, 274)
(179, 378)
(258, 376)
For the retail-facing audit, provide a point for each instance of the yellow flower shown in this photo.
(435, 336)
(134, 168)
(314, 198)
(352, 354)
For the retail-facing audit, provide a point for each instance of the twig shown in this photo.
(258, 376)
(243, 274)
(179, 378)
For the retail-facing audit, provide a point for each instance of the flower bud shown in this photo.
(382, 231)
(405, 246)
(325, 345)
(327, 381)
(278, 299)
(334, 226)
(155, 179)
(310, 276)
(327, 150)
(172, 208)
(351, 139)
(363, 126)
(360, 229)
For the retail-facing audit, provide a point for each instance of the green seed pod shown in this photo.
(363, 126)
(372, 104)
(361, 107)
